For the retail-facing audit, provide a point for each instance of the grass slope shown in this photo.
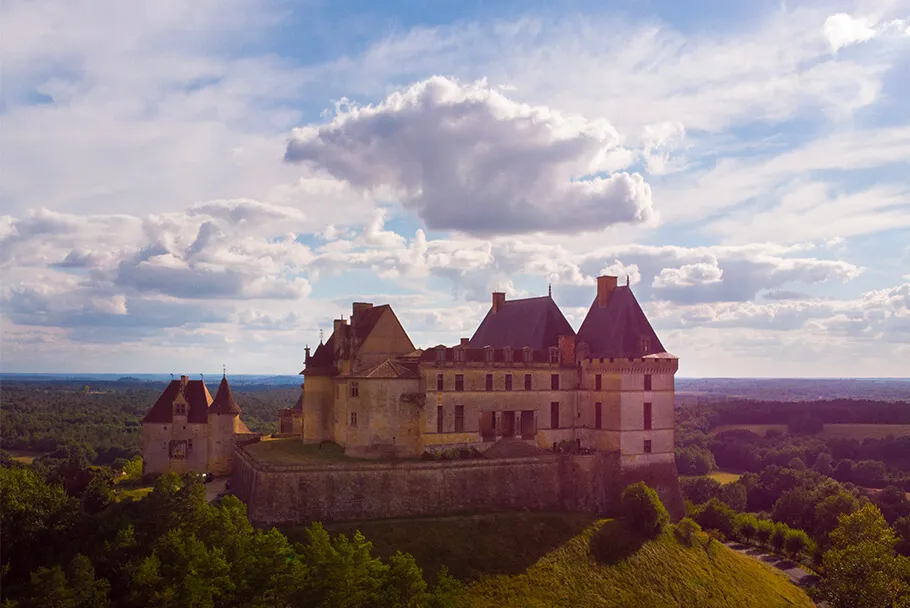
(661, 573)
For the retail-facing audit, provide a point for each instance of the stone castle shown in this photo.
(563, 419)
(524, 375)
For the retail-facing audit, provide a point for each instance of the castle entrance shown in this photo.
(528, 428)
(508, 424)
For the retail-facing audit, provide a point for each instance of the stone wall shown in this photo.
(277, 494)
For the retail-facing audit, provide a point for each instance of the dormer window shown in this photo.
(528, 354)
(440, 355)
(554, 354)
(180, 409)
(488, 354)
(645, 344)
(355, 390)
(507, 354)
(459, 354)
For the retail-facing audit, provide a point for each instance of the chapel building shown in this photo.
(525, 375)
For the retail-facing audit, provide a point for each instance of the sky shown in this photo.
(187, 184)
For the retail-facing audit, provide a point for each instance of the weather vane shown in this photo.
(320, 336)
(223, 370)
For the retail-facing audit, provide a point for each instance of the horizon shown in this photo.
(191, 181)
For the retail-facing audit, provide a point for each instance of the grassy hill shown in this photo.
(660, 573)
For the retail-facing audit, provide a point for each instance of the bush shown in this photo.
(615, 541)
(745, 525)
(763, 531)
(642, 509)
(686, 531)
(715, 515)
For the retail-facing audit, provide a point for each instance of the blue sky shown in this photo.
(191, 183)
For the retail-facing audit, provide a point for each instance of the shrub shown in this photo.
(615, 541)
(700, 489)
(686, 531)
(763, 531)
(715, 515)
(745, 525)
(642, 509)
(779, 537)
(796, 542)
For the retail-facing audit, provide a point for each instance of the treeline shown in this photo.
(105, 419)
(70, 546)
(828, 411)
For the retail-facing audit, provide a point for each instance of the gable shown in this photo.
(533, 322)
(382, 334)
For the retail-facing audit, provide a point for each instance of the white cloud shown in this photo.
(844, 30)
(688, 275)
(465, 157)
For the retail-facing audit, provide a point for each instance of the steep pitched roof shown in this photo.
(324, 356)
(617, 329)
(196, 395)
(224, 400)
(534, 322)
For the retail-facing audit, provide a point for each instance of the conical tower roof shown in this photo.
(224, 401)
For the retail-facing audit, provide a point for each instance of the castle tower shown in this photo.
(224, 422)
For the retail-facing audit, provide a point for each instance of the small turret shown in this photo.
(224, 400)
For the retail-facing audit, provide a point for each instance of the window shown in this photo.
(439, 419)
(554, 382)
(440, 355)
(647, 382)
(355, 389)
(554, 355)
(489, 382)
(459, 382)
(353, 418)
(527, 382)
(554, 415)
(647, 416)
(177, 450)
(440, 382)
(645, 344)
(459, 354)
(598, 415)
(488, 355)
(647, 446)
(598, 382)
(507, 354)
(189, 446)
(508, 382)
(180, 409)
(527, 355)
(459, 419)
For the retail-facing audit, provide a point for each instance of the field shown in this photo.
(831, 431)
(662, 572)
(25, 456)
(724, 476)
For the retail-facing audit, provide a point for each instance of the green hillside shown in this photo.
(661, 573)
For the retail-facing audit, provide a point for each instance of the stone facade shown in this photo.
(186, 430)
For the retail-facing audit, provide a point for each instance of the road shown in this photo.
(214, 488)
(796, 573)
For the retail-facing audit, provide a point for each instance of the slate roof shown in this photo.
(479, 355)
(534, 322)
(393, 369)
(617, 329)
(197, 397)
(324, 356)
(224, 400)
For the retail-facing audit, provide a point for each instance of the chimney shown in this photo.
(465, 341)
(605, 286)
(499, 298)
(358, 308)
(567, 349)
(184, 380)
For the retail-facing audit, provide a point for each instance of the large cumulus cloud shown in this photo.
(465, 157)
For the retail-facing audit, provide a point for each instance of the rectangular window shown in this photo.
(355, 389)
(488, 355)
(554, 415)
(439, 419)
(353, 418)
(647, 446)
(647, 416)
(180, 409)
(527, 382)
(528, 355)
(508, 382)
(647, 382)
(554, 382)
(177, 450)
(440, 355)
(554, 355)
(440, 382)
(459, 354)
(489, 382)
(189, 446)
(507, 354)
(459, 419)
(598, 382)
(459, 382)
(598, 415)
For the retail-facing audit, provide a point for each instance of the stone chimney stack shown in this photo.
(605, 286)
(465, 342)
(183, 381)
(499, 298)
(567, 349)
(358, 308)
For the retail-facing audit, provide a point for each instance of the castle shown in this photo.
(187, 430)
(525, 375)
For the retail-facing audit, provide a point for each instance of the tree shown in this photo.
(796, 463)
(796, 542)
(869, 473)
(133, 468)
(642, 509)
(795, 508)
(745, 525)
(779, 537)
(715, 515)
(686, 531)
(829, 510)
(844, 470)
(823, 464)
(734, 496)
(862, 568)
(700, 489)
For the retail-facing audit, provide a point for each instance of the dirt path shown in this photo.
(796, 573)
